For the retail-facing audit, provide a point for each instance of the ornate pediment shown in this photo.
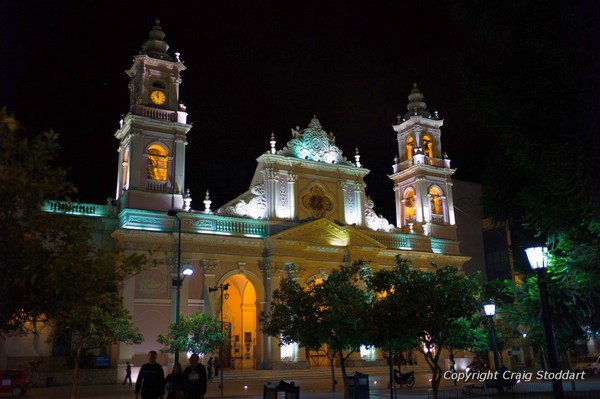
(324, 232)
(314, 144)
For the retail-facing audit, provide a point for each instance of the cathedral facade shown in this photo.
(306, 211)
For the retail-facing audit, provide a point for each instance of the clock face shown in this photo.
(158, 97)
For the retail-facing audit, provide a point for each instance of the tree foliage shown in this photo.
(52, 273)
(200, 333)
(27, 180)
(332, 312)
(429, 307)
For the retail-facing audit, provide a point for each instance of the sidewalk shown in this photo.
(311, 388)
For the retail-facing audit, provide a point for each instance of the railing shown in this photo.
(160, 186)
(416, 160)
(74, 208)
(243, 227)
(402, 241)
(438, 219)
(154, 113)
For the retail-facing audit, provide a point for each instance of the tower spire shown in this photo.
(155, 46)
(416, 105)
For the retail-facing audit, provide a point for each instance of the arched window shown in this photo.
(410, 145)
(157, 162)
(435, 195)
(409, 204)
(427, 146)
(126, 168)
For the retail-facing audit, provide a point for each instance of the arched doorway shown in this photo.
(239, 313)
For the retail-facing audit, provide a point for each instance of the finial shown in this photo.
(207, 203)
(177, 54)
(357, 158)
(157, 21)
(273, 142)
(399, 118)
(187, 200)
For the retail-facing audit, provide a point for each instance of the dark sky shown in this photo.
(251, 69)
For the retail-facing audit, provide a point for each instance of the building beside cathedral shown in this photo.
(306, 211)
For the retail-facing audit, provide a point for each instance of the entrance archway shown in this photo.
(239, 312)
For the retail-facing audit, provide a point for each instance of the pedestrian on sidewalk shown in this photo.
(151, 379)
(217, 366)
(209, 367)
(194, 379)
(127, 374)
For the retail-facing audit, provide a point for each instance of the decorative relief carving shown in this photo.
(272, 269)
(210, 265)
(374, 222)
(295, 271)
(272, 175)
(255, 208)
(350, 200)
(283, 182)
(199, 224)
(314, 144)
(292, 177)
(317, 202)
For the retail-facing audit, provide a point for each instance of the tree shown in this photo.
(200, 333)
(52, 273)
(542, 175)
(331, 312)
(27, 180)
(429, 305)
(83, 283)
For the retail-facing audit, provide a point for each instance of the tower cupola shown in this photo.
(155, 46)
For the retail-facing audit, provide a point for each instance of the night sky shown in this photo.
(251, 69)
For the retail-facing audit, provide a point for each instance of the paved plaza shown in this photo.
(250, 385)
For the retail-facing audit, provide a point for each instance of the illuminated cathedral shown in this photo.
(305, 212)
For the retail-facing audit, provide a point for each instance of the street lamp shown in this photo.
(178, 281)
(222, 287)
(538, 259)
(490, 311)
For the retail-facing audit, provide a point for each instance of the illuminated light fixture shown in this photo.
(188, 271)
(538, 259)
(222, 287)
(490, 309)
(490, 312)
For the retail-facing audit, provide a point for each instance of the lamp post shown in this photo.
(222, 287)
(538, 259)
(178, 281)
(490, 311)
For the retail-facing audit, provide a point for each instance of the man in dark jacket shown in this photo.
(151, 379)
(194, 379)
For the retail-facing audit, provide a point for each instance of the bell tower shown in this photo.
(152, 135)
(422, 173)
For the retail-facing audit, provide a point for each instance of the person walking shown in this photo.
(194, 379)
(174, 383)
(151, 379)
(127, 374)
(217, 366)
(209, 367)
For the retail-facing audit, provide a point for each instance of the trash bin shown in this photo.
(358, 385)
(289, 388)
(49, 381)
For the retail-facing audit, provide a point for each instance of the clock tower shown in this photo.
(153, 133)
(422, 173)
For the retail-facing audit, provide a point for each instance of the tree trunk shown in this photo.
(75, 385)
(331, 364)
(344, 377)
